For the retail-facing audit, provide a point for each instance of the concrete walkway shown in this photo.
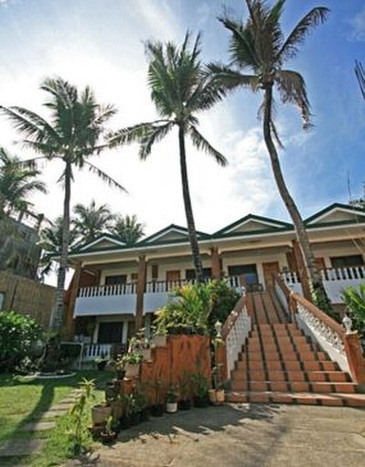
(242, 436)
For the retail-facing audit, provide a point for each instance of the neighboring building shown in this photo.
(19, 244)
(112, 281)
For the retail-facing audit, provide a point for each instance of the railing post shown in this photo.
(141, 284)
(355, 359)
(216, 267)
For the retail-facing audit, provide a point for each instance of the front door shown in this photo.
(173, 275)
(270, 270)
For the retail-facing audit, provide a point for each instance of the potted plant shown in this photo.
(108, 434)
(185, 391)
(132, 364)
(172, 396)
(216, 394)
(100, 413)
(158, 407)
(118, 365)
(101, 362)
(200, 390)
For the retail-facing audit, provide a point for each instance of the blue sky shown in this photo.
(100, 43)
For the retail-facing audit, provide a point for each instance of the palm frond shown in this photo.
(291, 86)
(312, 19)
(105, 177)
(202, 144)
(154, 134)
(229, 79)
(132, 134)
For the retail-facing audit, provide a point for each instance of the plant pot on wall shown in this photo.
(158, 341)
(132, 370)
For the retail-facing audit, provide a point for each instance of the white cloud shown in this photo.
(358, 27)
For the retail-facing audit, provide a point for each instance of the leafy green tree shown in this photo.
(180, 90)
(128, 229)
(51, 243)
(90, 221)
(17, 183)
(72, 134)
(258, 45)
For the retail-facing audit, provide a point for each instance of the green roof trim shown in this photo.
(332, 207)
(253, 217)
(172, 227)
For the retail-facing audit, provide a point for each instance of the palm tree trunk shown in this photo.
(58, 308)
(189, 210)
(313, 274)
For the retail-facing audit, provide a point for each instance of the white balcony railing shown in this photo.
(121, 298)
(334, 280)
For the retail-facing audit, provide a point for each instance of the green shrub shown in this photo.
(354, 298)
(18, 336)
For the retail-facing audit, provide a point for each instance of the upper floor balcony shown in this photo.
(334, 280)
(122, 298)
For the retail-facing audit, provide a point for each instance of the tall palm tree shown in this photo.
(179, 90)
(259, 45)
(128, 229)
(51, 243)
(72, 134)
(90, 221)
(17, 183)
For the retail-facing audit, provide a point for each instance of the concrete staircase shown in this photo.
(278, 363)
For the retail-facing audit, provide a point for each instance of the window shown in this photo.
(249, 271)
(190, 273)
(114, 280)
(110, 333)
(347, 261)
(154, 272)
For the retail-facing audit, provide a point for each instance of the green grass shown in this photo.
(24, 400)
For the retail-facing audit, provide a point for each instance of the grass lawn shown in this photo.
(24, 400)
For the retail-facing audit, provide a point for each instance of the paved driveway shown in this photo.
(242, 436)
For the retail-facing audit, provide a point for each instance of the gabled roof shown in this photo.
(252, 223)
(171, 233)
(336, 214)
(102, 242)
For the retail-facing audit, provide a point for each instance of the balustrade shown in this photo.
(234, 333)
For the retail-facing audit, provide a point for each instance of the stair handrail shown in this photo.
(347, 346)
(234, 332)
(283, 293)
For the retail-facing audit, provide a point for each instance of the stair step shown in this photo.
(337, 399)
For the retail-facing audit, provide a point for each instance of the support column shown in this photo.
(298, 258)
(215, 261)
(70, 303)
(141, 285)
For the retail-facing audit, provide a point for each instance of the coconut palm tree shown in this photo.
(128, 229)
(179, 90)
(90, 221)
(259, 46)
(17, 183)
(72, 135)
(51, 243)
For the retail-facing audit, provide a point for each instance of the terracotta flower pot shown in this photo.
(99, 413)
(216, 396)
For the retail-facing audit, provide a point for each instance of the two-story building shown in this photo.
(112, 281)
